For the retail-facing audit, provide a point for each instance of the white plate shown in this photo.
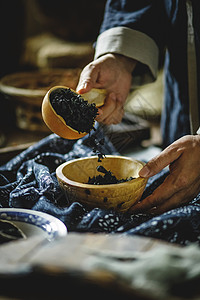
(34, 222)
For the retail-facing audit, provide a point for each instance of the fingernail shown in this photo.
(99, 112)
(82, 86)
(85, 85)
(144, 172)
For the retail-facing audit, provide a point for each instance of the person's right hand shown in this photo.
(112, 72)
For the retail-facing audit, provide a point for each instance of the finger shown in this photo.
(99, 113)
(108, 107)
(88, 79)
(175, 201)
(169, 194)
(145, 205)
(155, 165)
(115, 117)
(118, 113)
(118, 118)
(163, 192)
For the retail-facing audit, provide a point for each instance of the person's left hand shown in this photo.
(183, 182)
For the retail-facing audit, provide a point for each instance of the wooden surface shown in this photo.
(60, 267)
(16, 141)
(71, 250)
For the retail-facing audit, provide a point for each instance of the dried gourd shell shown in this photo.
(57, 124)
(96, 96)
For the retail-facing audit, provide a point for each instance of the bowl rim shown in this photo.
(73, 183)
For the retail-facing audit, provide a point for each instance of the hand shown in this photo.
(183, 182)
(112, 72)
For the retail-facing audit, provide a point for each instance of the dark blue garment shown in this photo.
(165, 21)
(29, 181)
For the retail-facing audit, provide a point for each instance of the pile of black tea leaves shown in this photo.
(77, 112)
(107, 178)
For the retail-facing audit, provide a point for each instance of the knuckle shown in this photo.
(180, 182)
(88, 70)
(90, 67)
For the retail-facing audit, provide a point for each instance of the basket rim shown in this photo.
(26, 92)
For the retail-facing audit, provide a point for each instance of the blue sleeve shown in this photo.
(147, 16)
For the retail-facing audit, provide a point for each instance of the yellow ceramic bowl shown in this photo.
(73, 177)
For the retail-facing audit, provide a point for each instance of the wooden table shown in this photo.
(59, 269)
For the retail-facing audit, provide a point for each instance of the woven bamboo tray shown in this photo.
(27, 89)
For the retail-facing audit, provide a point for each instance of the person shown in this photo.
(133, 35)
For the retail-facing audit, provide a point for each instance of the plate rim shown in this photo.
(53, 226)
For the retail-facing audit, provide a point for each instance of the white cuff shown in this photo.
(198, 131)
(131, 43)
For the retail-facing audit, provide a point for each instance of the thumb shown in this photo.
(156, 164)
(84, 87)
(88, 79)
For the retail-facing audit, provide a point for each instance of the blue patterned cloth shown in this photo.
(29, 181)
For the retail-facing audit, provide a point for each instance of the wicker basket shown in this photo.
(27, 89)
